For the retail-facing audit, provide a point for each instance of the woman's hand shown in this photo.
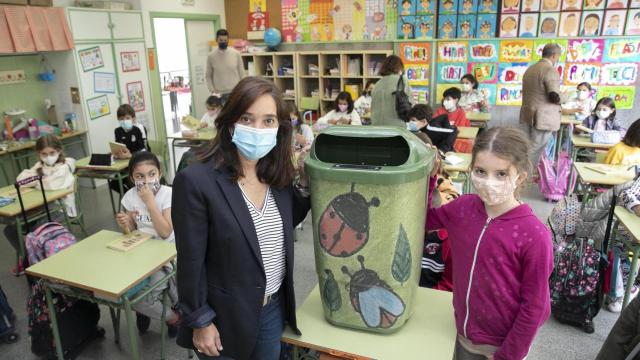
(207, 340)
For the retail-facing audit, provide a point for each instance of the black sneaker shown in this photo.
(142, 322)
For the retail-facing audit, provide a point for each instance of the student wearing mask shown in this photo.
(214, 105)
(363, 103)
(472, 99)
(224, 67)
(127, 133)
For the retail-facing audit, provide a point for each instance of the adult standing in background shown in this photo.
(224, 67)
(383, 99)
(541, 98)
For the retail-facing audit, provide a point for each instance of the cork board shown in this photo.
(237, 12)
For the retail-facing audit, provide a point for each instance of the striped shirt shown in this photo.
(268, 225)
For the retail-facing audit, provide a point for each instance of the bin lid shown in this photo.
(369, 155)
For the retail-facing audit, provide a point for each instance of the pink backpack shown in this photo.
(553, 176)
(46, 240)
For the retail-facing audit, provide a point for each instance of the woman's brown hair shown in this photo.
(276, 168)
(51, 141)
(391, 65)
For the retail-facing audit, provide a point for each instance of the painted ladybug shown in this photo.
(344, 225)
(372, 298)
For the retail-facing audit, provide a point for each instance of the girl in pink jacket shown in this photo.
(502, 254)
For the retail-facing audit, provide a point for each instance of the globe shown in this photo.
(272, 37)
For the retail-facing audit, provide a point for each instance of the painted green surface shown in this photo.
(29, 95)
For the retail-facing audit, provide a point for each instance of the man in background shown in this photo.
(224, 67)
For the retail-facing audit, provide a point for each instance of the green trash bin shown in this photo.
(368, 195)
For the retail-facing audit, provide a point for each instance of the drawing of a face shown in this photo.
(447, 27)
(487, 4)
(448, 5)
(614, 22)
(636, 20)
(465, 27)
(549, 26)
(549, 4)
(406, 7)
(570, 3)
(424, 28)
(510, 3)
(425, 4)
(485, 27)
(591, 24)
(528, 23)
(467, 6)
(406, 30)
(528, 4)
(593, 3)
(509, 24)
(570, 24)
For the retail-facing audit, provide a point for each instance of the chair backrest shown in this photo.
(310, 103)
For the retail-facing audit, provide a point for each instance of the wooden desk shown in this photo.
(467, 132)
(178, 140)
(620, 174)
(116, 171)
(478, 119)
(96, 273)
(569, 120)
(430, 330)
(632, 223)
(462, 168)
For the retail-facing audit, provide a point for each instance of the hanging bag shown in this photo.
(403, 105)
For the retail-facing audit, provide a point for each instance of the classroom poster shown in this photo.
(585, 50)
(488, 6)
(424, 26)
(417, 74)
(420, 94)
(569, 22)
(91, 58)
(447, 26)
(539, 44)
(406, 7)
(441, 88)
(621, 50)
(483, 51)
(622, 95)
(571, 5)
(468, 7)
(549, 25)
(452, 51)
(508, 95)
(529, 25)
(320, 20)
(415, 53)
(130, 61)
(447, 6)
(510, 6)
(451, 73)
(405, 27)
(344, 17)
(291, 31)
(358, 19)
(575, 73)
(591, 23)
(257, 5)
(489, 92)
(466, 26)
(633, 22)
(485, 73)
(619, 73)
(614, 22)
(530, 6)
(104, 82)
(509, 25)
(516, 50)
(511, 73)
(98, 107)
(135, 95)
(486, 26)
(390, 18)
(426, 7)
(375, 25)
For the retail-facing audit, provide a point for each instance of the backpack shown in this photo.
(46, 240)
(442, 134)
(564, 218)
(553, 176)
(403, 104)
(7, 320)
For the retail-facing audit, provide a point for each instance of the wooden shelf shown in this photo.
(331, 76)
(309, 76)
(353, 76)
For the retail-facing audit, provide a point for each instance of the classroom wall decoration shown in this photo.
(549, 25)
(516, 51)
(135, 95)
(530, 6)
(98, 106)
(91, 58)
(569, 22)
(529, 25)
(130, 61)
(486, 26)
(622, 95)
(417, 60)
(633, 22)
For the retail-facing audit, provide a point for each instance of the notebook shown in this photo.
(100, 160)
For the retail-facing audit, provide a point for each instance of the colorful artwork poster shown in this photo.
(485, 73)
(291, 31)
(91, 58)
(511, 73)
(550, 6)
(466, 26)
(530, 6)
(509, 25)
(619, 73)
(417, 74)
(510, 6)
(549, 25)
(623, 96)
(98, 107)
(614, 22)
(424, 26)
(538, 45)
(405, 27)
(257, 21)
(483, 51)
(633, 22)
(591, 23)
(447, 26)
(575, 73)
(468, 7)
(447, 6)
(486, 26)
(320, 20)
(257, 5)
(585, 50)
(390, 19)
(627, 50)
(487, 6)
(529, 25)
(406, 7)
(441, 88)
(347, 20)
(569, 22)
(135, 95)
(452, 51)
(516, 50)
(593, 4)
(415, 53)
(508, 95)
(420, 94)
(489, 92)
(451, 73)
(426, 7)
(617, 4)
(375, 27)
(571, 5)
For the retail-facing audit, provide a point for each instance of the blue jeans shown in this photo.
(267, 345)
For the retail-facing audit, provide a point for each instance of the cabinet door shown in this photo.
(131, 65)
(89, 24)
(100, 106)
(126, 25)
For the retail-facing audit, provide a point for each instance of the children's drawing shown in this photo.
(401, 265)
(447, 26)
(405, 27)
(488, 6)
(550, 5)
(633, 22)
(617, 4)
(593, 4)
(468, 7)
(486, 26)
(530, 6)
(591, 21)
(569, 22)
(331, 293)
(509, 25)
(529, 25)
(406, 7)
(614, 22)
(426, 7)
(424, 27)
(571, 5)
(549, 25)
(447, 7)
(510, 6)
(466, 26)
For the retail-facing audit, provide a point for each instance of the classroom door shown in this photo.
(199, 34)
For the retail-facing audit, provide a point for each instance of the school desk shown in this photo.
(567, 121)
(467, 132)
(462, 168)
(430, 330)
(90, 271)
(32, 199)
(632, 223)
(178, 140)
(478, 119)
(117, 171)
(619, 174)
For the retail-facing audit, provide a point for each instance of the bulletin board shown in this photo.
(238, 25)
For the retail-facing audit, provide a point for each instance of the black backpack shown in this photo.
(442, 134)
(403, 105)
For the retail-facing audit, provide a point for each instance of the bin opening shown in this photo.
(372, 151)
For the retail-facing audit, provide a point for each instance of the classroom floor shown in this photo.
(554, 341)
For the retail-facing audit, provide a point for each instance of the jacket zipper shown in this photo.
(473, 265)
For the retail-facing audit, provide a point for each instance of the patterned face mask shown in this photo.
(154, 185)
(494, 192)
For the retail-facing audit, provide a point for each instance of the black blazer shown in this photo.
(220, 272)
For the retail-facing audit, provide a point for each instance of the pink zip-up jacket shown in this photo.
(501, 270)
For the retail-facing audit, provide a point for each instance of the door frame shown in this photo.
(156, 90)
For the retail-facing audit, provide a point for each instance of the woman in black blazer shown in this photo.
(234, 214)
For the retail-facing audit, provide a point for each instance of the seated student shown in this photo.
(603, 117)
(147, 207)
(302, 133)
(472, 99)
(214, 105)
(456, 114)
(57, 171)
(627, 151)
(343, 113)
(439, 130)
(363, 103)
(583, 105)
(128, 133)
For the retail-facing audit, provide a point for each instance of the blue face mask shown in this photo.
(411, 126)
(254, 143)
(126, 124)
(294, 121)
